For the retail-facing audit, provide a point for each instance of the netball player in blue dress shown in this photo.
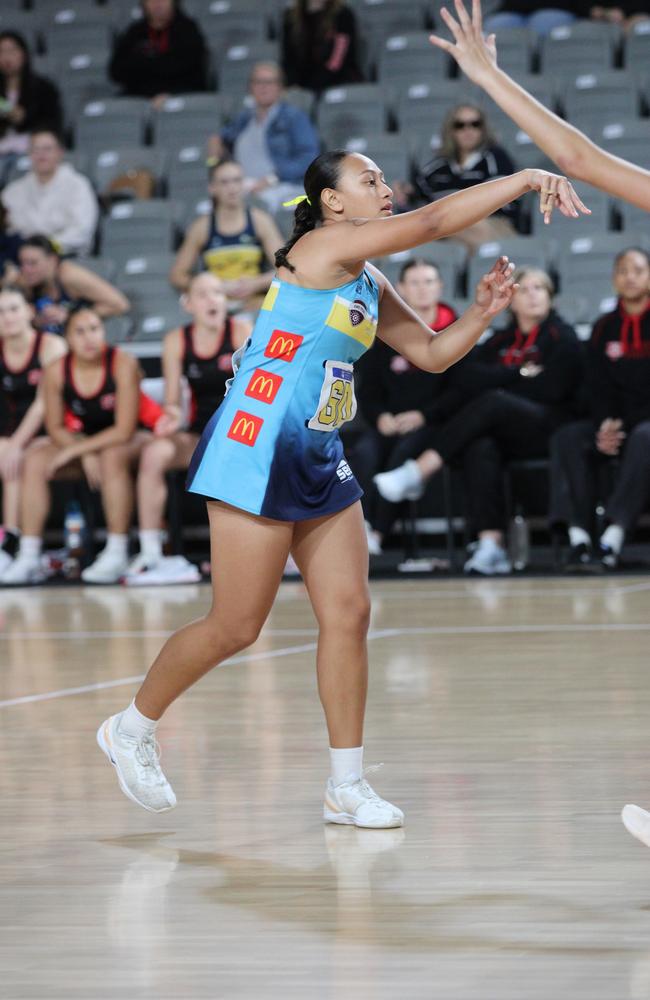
(571, 149)
(270, 460)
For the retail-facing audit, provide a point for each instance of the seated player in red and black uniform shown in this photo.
(92, 405)
(24, 353)
(401, 403)
(517, 387)
(618, 428)
(201, 352)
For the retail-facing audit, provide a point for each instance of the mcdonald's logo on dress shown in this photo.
(263, 385)
(283, 345)
(245, 427)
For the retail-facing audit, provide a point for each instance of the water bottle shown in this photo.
(74, 530)
(519, 542)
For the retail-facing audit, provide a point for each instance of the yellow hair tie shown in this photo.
(296, 201)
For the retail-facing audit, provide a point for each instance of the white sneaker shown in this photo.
(487, 559)
(168, 570)
(140, 564)
(374, 545)
(137, 763)
(23, 569)
(5, 562)
(403, 483)
(108, 567)
(637, 822)
(354, 803)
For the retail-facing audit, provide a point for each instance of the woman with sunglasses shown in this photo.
(567, 146)
(270, 461)
(470, 155)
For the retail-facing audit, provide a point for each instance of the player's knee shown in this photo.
(231, 637)
(349, 614)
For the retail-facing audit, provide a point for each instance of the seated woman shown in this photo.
(202, 352)
(521, 385)
(234, 242)
(400, 403)
(470, 155)
(92, 401)
(24, 353)
(52, 285)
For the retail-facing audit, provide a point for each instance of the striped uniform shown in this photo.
(273, 448)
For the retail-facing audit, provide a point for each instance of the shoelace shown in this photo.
(147, 753)
(367, 791)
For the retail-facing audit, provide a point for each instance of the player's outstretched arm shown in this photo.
(574, 153)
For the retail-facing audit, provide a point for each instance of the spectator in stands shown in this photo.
(27, 101)
(520, 386)
(235, 243)
(400, 403)
(24, 353)
(201, 352)
(92, 400)
(274, 141)
(320, 45)
(626, 14)
(161, 54)
(9, 246)
(53, 198)
(616, 438)
(53, 285)
(469, 155)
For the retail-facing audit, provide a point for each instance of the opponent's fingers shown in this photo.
(453, 26)
(442, 43)
(463, 16)
(477, 16)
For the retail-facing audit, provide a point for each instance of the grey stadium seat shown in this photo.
(388, 151)
(612, 93)
(140, 269)
(135, 227)
(102, 122)
(233, 65)
(408, 53)
(108, 164)
(152, 320)
(562, 52)
(637, 46)
(563, 228)
(118, 329)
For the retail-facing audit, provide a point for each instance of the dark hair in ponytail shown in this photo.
(323, 172)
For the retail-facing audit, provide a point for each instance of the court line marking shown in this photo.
(387, 633)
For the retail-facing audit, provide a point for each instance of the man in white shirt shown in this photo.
(53, 199)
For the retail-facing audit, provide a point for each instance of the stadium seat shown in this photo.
(134, 227)
(100, 122)
(351, 112)
(138, 270)
(388, 151)
(637, 47)
(612, 93)
(402, 55)
(562, 228)
(152, 320)
(225, 25)
(516, 47)
(102, 266)
(567, 53)
(118, 329)
(187, 120)
(187, 173)
(233, 65)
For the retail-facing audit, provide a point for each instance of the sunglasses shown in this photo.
(470, 123)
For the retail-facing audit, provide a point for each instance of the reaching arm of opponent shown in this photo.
(406, 333)
(573, 152)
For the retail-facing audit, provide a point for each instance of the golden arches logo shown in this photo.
(263, 385)
(245, 427)
(283, 345)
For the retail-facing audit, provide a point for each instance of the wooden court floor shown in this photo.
(513, 718)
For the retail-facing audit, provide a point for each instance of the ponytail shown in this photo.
(322, 173)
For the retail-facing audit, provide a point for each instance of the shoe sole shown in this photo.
(103, 745)
(347, 819)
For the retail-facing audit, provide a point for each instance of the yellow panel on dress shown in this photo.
(346, 317)
(271, 296)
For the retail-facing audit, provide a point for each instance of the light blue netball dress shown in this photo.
(273, 447)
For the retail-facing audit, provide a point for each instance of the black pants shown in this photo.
(374, 452)
(488, 432)
(576, 466)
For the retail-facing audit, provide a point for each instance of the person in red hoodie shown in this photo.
(618, 430)
(399, 402)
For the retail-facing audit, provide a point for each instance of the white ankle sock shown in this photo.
(613, 537)
(346, 764)
(150, 544)
(117, 545)
(30, 546)
(134, 723)
(410, 473)
(578, 536)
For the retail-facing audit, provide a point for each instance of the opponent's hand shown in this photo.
(476, 55)
(495, 289)
(556, 191)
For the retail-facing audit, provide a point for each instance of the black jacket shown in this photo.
(388, 383)
(441, 175)
(497, 363)
(41, 101)
(147, 63)
(305, 60)
(618, 367)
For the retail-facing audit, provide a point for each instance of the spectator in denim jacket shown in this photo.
(274, 141)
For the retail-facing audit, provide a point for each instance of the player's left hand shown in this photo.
(556, 191)
(495, 289)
